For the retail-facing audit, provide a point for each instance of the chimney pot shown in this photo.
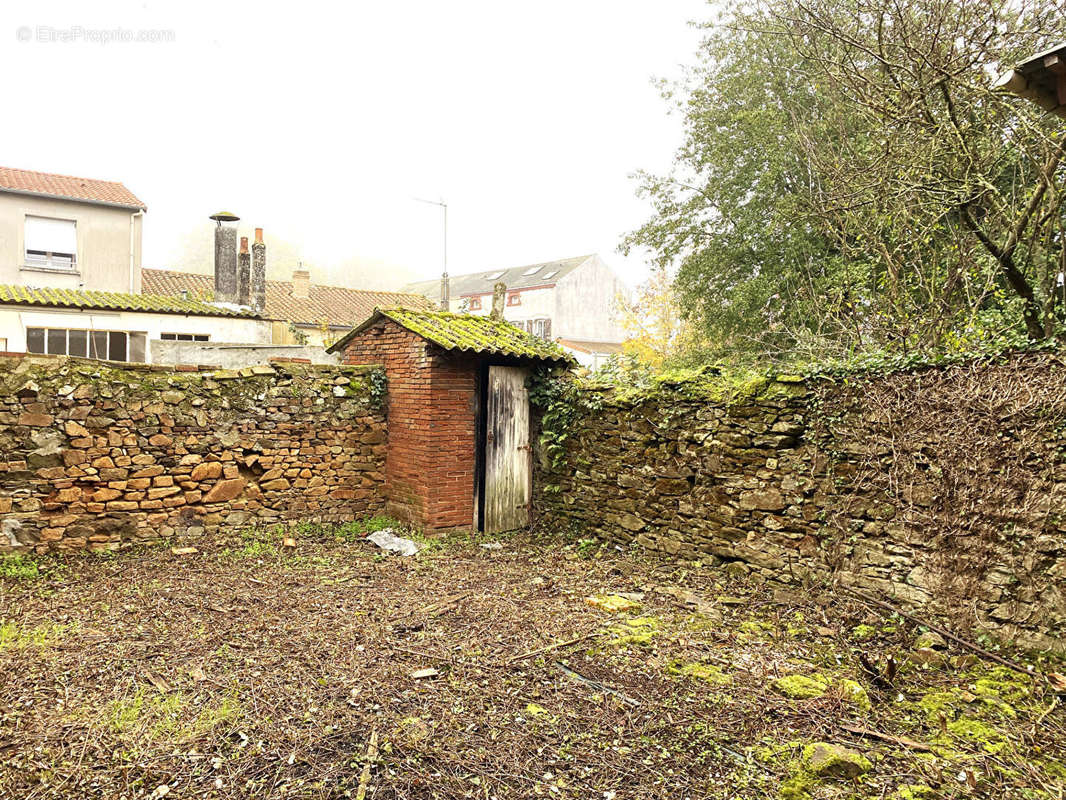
(258, 272)
(226, 281)
(244, 274)
(499, 292)
(301, 283)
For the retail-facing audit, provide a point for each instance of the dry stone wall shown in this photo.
(97, 454)
(942, 489)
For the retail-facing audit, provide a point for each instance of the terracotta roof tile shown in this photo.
(338, 306)
(68, 186)
(111, 301)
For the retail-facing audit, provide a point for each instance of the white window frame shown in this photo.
(45, 329)
(59, 261)
(188, 337)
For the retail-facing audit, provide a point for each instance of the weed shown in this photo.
(20, 567)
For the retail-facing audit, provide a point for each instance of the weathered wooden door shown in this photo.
(507, 454)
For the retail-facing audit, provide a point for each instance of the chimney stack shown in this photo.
(244, 274)
(258, 288)
(301, 283)
(499, 292)
(226, 284)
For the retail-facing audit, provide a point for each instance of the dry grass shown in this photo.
(249, 671)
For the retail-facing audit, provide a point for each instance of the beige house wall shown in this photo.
(104, 234)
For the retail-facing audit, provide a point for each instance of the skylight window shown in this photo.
(549, 275)
(532, 271)
(492, 276)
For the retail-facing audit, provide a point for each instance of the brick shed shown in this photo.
(458, 414)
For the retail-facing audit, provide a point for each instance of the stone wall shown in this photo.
(943, 488)
(99, 454)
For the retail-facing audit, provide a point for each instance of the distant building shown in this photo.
(70, 275)
(301, 311)
(58, 231)
(572, 301)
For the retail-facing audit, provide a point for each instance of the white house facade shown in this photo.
(114, 326)
(572, 301)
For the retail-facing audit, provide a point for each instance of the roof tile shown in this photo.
(68, 186)
(547, 273)
(467, 332)
(111, 301)
(337, 306)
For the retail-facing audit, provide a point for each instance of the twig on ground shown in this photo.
(371, 755)
(884, 737)
(554, 646)
(577, 676)
(1006, 662)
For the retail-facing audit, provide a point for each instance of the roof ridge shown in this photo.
(115, 301)
(282, 280)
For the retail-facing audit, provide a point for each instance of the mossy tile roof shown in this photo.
(476, 334)
(112, 301)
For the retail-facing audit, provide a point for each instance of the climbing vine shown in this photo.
(561, 401)
(379, 387)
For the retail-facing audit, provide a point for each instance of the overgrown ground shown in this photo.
(253, 670)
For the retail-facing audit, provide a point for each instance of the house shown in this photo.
(1042, 79)
(70, 275)
(63, 232)
(302, 312)
(115, 326)
(571, 301)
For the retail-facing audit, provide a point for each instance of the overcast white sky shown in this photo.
(321, 121)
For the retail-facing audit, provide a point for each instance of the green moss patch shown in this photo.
(709, 673)
(801, 687)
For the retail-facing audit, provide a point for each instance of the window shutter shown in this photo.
(548, 329)
(51, 235)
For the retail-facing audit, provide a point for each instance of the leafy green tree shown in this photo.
(849, 178)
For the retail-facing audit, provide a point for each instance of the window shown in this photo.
(185, 337)
(102, 345)
(492, 276)
(532, 271)
(475, 303)
(51, 243)
(549, 275)
(3, 345)
(514, 299)
(542, 328)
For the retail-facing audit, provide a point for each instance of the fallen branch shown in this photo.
(1006, 662)
(554, 646)
(371, 755)
(442, 606)
(884, 737)
(577, 676)
(420, 653)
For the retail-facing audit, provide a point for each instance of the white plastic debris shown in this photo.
(492, 545)
(387, 540)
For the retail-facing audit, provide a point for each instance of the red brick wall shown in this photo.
(432, 413)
